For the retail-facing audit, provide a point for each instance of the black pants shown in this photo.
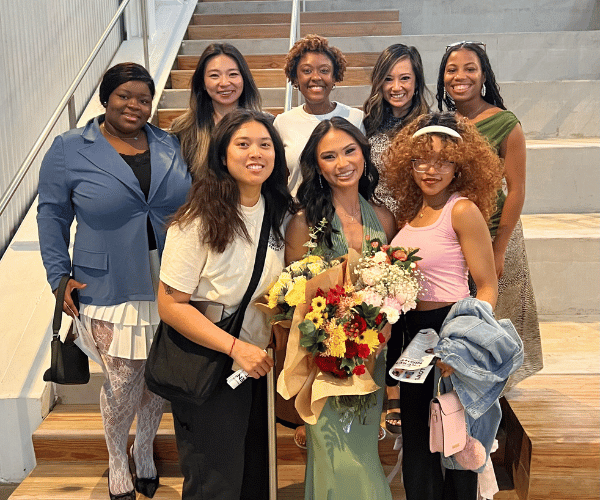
(423, 478)
(223, 444)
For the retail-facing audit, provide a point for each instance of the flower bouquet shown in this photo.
(289, 289)
(388, 278)
(341, 332)
(337, 329)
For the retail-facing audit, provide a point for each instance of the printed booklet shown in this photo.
(417, 360)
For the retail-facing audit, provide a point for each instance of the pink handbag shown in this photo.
(447, 426)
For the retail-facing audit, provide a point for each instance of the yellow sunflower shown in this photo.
(315, 317)
(318, 303)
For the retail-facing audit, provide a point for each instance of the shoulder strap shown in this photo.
(259, 264)
(60, 298)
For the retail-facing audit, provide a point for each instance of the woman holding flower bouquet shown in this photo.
(338, 180)
(445, 177)
(209, 256)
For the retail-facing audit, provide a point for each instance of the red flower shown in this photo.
(400, 255)
(381, 338)
(385, 248)
(320, 293)
(379, 319)
(351, 349)
(359, 370)
(326, 363)
(334, 294)
(374, 244)
(355, 326)
(363, 350)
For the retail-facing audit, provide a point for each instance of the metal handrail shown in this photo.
(68, 100)
(294, 35)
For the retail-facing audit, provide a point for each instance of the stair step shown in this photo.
(305, 17)
(232, 32)
(180, 79)
(74, 432)
(563, 251)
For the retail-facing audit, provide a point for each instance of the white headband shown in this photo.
(432, 129)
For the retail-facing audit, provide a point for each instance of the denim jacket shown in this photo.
(483, 353)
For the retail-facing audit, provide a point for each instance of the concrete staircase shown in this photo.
(550, 78)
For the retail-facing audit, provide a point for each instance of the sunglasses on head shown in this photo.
(465, 42)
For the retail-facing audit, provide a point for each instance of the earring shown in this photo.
(295, 85)
(457, 175)
(483, 90)
(445, 95)
(365, 170)
(321, 181)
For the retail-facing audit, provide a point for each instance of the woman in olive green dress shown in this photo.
(467, 84)
(338, 179)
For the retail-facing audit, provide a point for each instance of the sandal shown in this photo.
(382, 433)
(299, 440)
(393, 404)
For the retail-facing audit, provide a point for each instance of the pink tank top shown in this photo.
(443, 266)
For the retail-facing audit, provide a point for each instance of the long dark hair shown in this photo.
(492, 90)
(194, 127)
(215, 196)
(376, 106)
(314, 194)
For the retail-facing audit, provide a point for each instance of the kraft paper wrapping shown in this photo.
(300, 376)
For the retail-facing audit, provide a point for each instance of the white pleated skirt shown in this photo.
(134, 322)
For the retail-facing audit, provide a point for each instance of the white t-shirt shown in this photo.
(296, 125)
(191, 267)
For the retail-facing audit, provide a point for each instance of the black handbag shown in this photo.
(69, 365)
(183, 371)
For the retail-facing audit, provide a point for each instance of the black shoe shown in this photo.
(146, 486)
(130, 495)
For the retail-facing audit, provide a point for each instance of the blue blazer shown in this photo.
(83, 177)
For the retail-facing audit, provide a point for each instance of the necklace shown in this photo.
(433, 207)
(353, 215)
(122, 138)
(331, 108)
(475, 113)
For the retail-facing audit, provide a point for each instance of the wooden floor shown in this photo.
(552, 425)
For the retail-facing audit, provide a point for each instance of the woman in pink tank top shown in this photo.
(445, 178)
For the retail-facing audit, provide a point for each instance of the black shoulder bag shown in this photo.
(183, 371)
(69, 365)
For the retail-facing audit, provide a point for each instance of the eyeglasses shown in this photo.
(465, 42)
(421, 166)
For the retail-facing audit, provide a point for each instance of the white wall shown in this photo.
(44, 44)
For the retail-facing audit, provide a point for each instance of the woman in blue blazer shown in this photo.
(121, 179)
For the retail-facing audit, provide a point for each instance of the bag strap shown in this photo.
(259, 264)
(60, 298)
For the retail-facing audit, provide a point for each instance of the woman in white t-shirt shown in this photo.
(209, 256)
(314, 68)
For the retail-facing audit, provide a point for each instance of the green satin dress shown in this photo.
(340, 465)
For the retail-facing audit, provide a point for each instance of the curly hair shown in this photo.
(492, 90)
(194, 127)
(215, 196)
(478, 173)
(314, 194)
(375, 106)
(319, 44)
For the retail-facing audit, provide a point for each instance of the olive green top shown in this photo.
(495, 129)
